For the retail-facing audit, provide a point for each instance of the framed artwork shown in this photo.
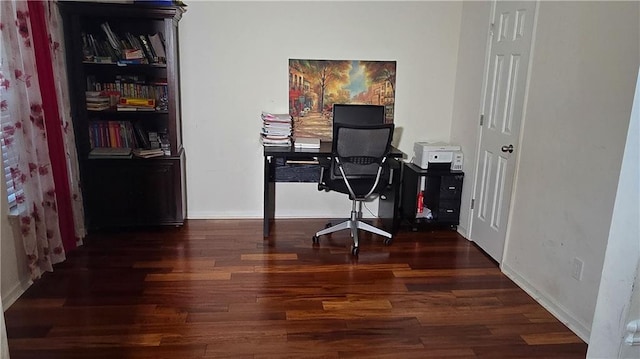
(316, 85)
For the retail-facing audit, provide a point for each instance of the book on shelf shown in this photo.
(133, 108)
(110, 152)
(98, 106)
(156, 42)
(97, 101)
(113, 39)
(147, 48)
(307, 142)
(132, 54)
(137, 102)
(103, 60)
(148, 153)
(112, 134)
(141, 135)
(124, 62)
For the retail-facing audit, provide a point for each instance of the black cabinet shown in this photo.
(125, 94)
(431, 197)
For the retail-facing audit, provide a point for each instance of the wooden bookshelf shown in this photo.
(127, 191)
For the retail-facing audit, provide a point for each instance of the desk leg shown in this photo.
(269, 195)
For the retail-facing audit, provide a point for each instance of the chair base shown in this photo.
(354, 224)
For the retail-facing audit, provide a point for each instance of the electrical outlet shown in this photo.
(576, 269)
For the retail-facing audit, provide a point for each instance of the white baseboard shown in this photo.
(463, 232)
(14, 293)
(556, 310)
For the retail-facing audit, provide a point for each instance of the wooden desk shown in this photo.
(388, 205)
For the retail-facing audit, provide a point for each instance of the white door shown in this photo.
(505, 84)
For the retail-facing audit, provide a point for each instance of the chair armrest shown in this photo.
(325, 167)
(324, 161)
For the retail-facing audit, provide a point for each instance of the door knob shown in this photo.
(507, 148)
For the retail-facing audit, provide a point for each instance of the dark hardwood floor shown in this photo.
(217, 289)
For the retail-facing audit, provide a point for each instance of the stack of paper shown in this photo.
(276, 129)
(307, 142)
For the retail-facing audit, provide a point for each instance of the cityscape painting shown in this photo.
(315, 85)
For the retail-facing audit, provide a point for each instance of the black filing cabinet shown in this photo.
(431, 197)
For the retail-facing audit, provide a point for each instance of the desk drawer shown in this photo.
(449, 211)
(451, 187)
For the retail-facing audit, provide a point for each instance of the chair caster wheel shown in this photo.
(388, 241)
(315, 239)
(355, 250)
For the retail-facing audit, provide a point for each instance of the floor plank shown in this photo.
(218, 289)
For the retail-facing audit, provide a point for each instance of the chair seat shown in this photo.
(360, 186)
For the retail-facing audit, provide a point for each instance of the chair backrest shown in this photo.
(358, 114)
(361, 149)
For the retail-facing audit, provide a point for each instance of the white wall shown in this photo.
(583, 76)
(622, 259)
(234, 64)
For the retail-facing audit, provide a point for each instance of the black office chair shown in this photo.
(358, 167)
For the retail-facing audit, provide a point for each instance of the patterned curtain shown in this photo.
(27, 128)
(56, 39)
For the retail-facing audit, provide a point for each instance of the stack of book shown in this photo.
(276, 129)
(148, 153)
(97, 101)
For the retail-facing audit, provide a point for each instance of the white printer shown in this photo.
(437, 155)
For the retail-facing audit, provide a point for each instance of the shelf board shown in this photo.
(117, 64)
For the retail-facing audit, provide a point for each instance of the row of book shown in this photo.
(104, 100)
(127, 89)
(125, 134)
(276, 129)
(127, 49)
(119, 139)
(116, 134)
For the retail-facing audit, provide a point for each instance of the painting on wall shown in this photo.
(316, 85)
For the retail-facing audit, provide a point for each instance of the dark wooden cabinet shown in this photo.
(431, 197)
(146, 195)
(133, 191)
